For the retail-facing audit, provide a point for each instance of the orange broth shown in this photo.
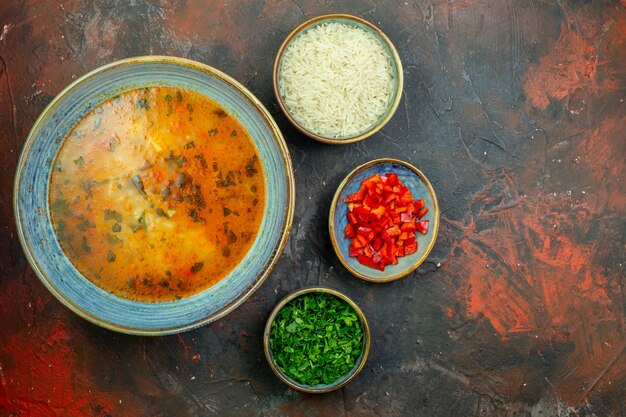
(157, 194)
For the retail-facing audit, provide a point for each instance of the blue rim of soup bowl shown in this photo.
(31, 197)
(419, 186)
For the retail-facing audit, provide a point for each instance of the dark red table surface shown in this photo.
(514, 109)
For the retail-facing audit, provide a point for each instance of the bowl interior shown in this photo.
(32, 198)
(394, 60)
(418, 184)
(319, 388)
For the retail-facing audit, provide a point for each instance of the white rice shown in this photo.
(335, 80)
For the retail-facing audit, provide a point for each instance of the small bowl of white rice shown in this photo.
(338, 78)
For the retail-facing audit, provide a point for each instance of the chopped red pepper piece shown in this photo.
(422, 226)
(379, 211)
(393, 231)
(409, 249)
(406, 198)
(367, 261)
(406, 227)
(349, 232)
(356, 197)
(406, 218)
(355, 252)
(422, 212)
(371, 202)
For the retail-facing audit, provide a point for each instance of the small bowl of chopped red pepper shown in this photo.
(384, 220)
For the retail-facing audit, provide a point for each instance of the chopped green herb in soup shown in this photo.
(156, 194)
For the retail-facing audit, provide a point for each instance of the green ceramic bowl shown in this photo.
(32, 211)
(320, 388)
(394, 60)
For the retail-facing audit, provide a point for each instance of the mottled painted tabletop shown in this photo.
(516, 112)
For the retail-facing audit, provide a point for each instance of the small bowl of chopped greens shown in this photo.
(316, 340)
(338, 78)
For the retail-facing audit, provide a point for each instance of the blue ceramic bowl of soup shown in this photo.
(35, 200)
(420, 188)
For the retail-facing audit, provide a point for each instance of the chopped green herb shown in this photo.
(60, 229)
(85, 245)
(79, 161)
(113, 239)
(90, 184)
(201, 161)
(164, 283)
(250, 167)
(112, 215)
(170, 110)
(220, 113)
(233, 133)
(162, 213)
(225, 251)
(189, 107)
(196, 194)
(190, 145)
(213, 132)
(142, 221)
(138, 183)
(61, 206)
(225, 182)
(86, 224)
(232, 237)
(227, 211)
(168, 97)
(111, 256)
(142, 104)
(179, 96)
(116, 228)
(178, 159)
(165, 193)
(197, 267)
(316, 339)
(193, 213)
(182, 181)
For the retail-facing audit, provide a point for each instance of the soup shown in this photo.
(157, 194)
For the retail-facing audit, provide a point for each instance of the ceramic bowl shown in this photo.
(396, 69)
(418, 184)
(320, 388)
(32, 211)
